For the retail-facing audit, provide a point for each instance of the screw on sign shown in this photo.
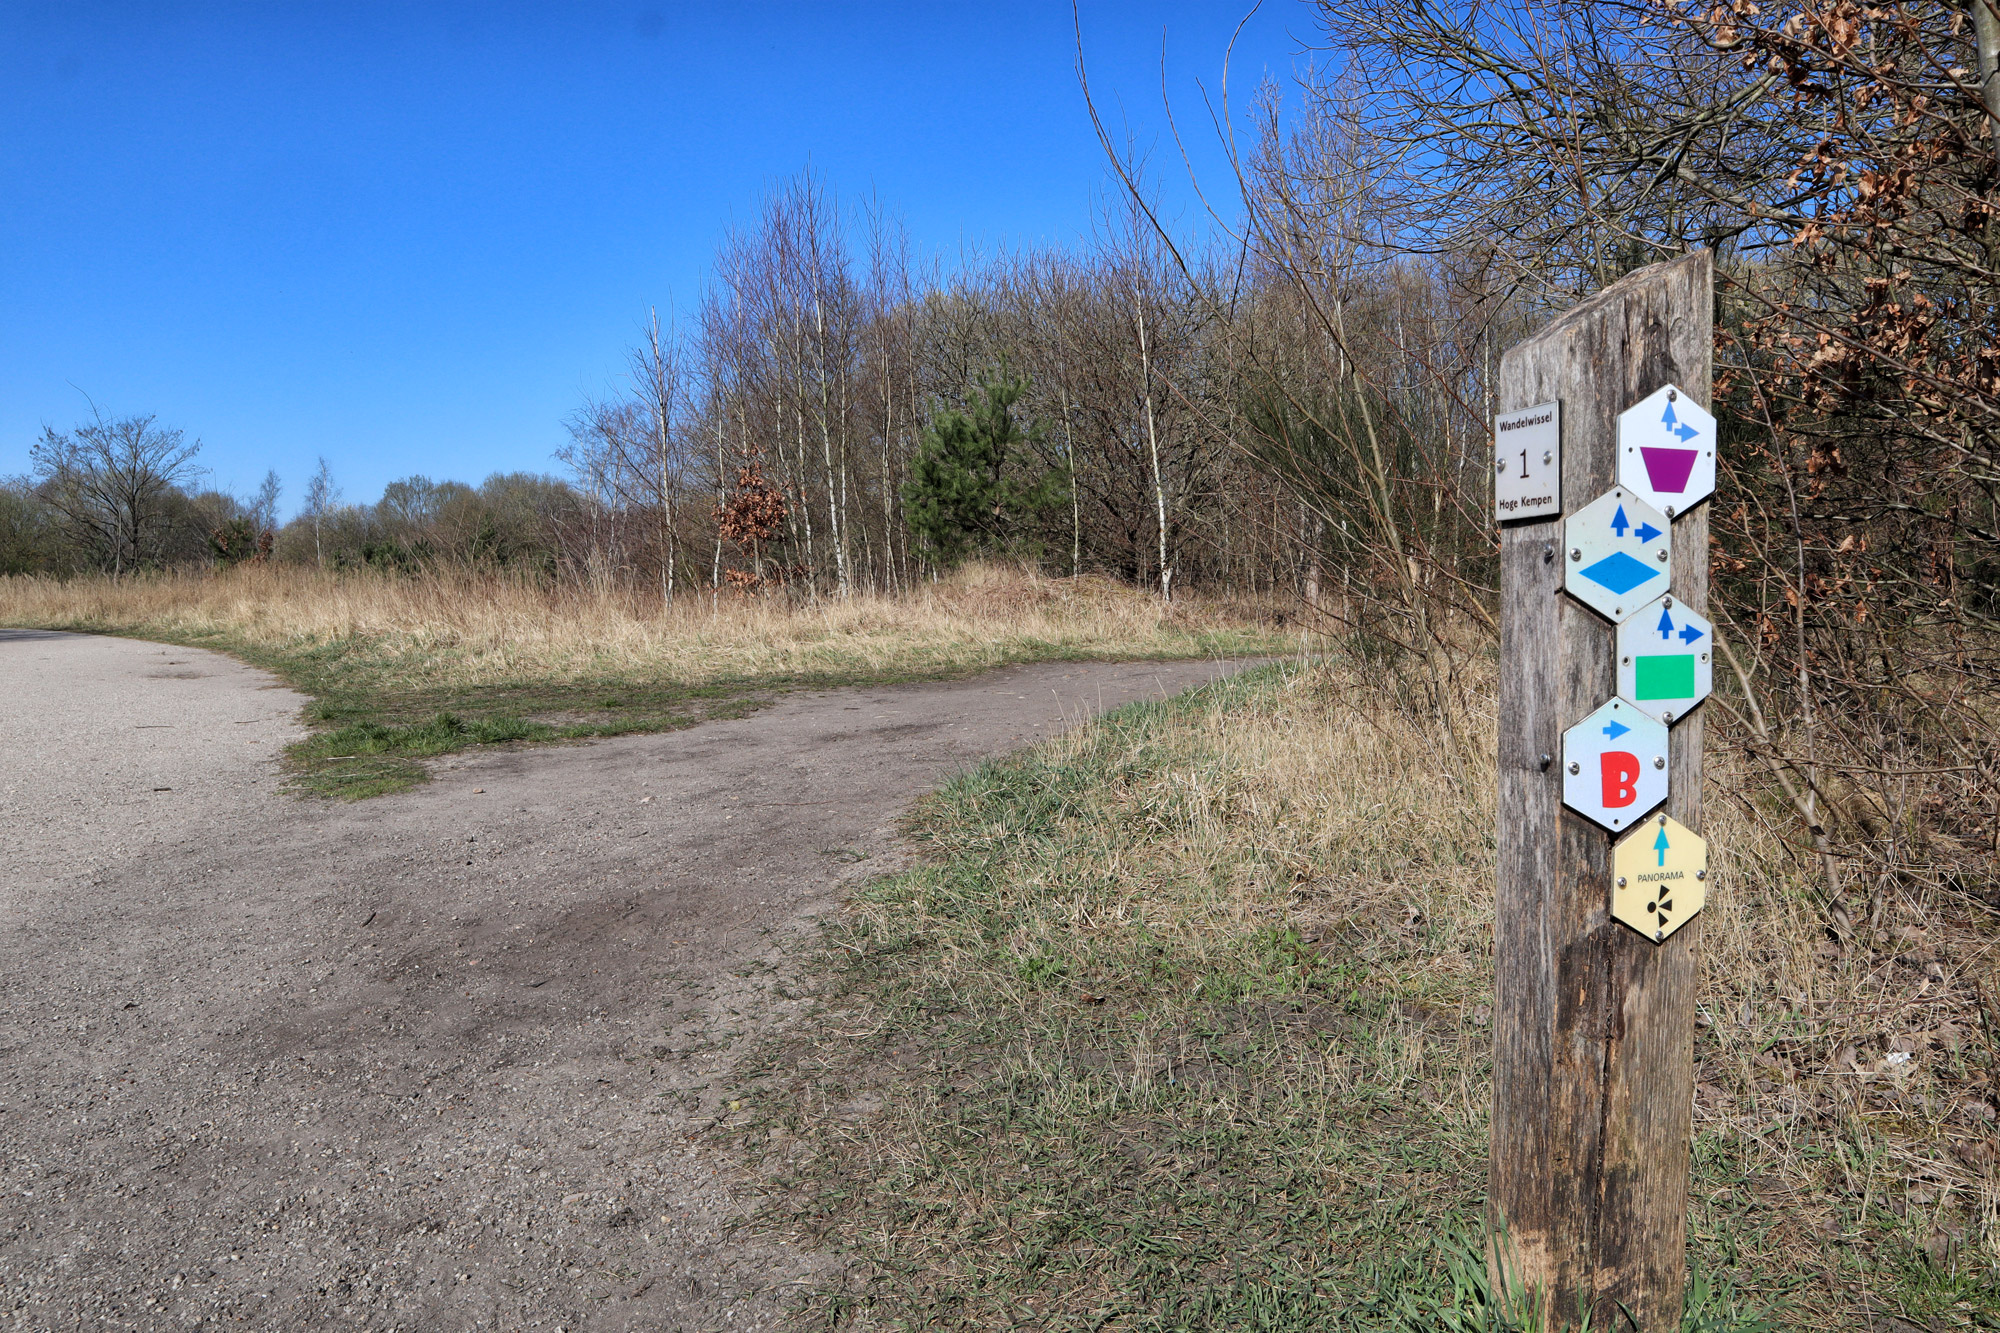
(1615, 765)
(1659, 877)
(1666, 451)
(1617, 550)
(1663, 659)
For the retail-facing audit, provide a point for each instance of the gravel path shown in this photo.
(437, 1060)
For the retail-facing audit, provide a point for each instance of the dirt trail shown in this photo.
(432, 1061)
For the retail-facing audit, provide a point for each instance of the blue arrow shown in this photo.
(1689, 633)
(1618, 522)
(1669, 420)
(1666, 625)
(1614, 729)
(1660, 846)
(1647, 532)
(1687, 432)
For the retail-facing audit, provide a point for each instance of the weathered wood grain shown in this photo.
(1593, 1061)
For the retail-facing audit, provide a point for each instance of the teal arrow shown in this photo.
(1660, 845)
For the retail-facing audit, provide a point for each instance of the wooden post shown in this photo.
(1593, 1026)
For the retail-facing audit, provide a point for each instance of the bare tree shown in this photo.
(1839, 159)
(889, 321)
(264, 509)
(321, 498)
(656, 368)
(112, 482)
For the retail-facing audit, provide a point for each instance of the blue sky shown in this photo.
(411, 238)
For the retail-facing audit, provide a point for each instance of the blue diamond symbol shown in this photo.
(1619, 572)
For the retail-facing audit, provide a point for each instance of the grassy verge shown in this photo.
(1181, 1024)
(373, 728)
(401, 670)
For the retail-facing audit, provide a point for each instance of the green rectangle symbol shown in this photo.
(1668, 676)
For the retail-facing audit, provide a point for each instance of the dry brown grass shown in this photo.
(470, 628)
(1878, 1047)
(1837, 1085)
(1282, 893)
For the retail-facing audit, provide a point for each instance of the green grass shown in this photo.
(374, 727)
(1060, 1079)
(363, 759)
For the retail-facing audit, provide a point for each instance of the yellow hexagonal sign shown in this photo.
(1659, 877)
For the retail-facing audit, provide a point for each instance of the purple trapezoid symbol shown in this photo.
(1668, 469)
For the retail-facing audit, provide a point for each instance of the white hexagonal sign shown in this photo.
(1659, 877)
(1617, 550)
(1615, 766)
(1663, 659)
(1666, 451)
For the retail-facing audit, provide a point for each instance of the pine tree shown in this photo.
(961, 499)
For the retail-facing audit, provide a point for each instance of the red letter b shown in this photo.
(1621, 778)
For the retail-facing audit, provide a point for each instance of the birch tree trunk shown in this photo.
(835, 497)
(1153, 444)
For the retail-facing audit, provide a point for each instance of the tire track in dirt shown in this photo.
(437, 1060)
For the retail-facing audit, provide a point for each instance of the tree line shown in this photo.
(124, 495)
(834, 417)
(884, 420)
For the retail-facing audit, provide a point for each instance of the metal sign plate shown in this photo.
(1527, 463)
(1666, 451)
(1615, 765)
(1659, 877)
(1616, 551)
(1663, 659)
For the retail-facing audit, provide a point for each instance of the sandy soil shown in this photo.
(439, 1060)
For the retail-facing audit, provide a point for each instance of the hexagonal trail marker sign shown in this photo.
(1666, 451)
(1615, 765)
(1617, 550)
(1663, 659)
(1659, 877)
